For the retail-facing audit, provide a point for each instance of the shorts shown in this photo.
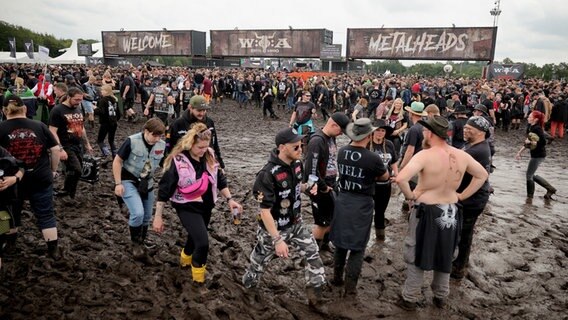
(88, 106)
(323, 205)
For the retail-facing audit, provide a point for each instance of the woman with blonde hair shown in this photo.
(27, 96)
(192, 180)
(109, 114)
(396, 119)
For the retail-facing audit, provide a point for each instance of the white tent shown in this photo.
(70, 56)
(21, 57)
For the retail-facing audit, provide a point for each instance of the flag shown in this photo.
(43, 53)
(12, 43)
(29, 45)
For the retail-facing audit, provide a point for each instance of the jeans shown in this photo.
(140, 210)
(41, 203)
(534, 163)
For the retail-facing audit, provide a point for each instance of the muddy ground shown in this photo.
(519, 264)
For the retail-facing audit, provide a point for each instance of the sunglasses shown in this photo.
(297, 147)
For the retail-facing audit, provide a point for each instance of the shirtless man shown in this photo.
(435, 220)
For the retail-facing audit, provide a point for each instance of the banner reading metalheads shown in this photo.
(143, 43)
(266, 43)
(422, 43)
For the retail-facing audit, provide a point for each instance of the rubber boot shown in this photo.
(530, 188)
(53, 250)
(137, 246)
(337, 276)
(314, 295)
(198, 274)
(184, 259)
(550, 190)
(10, 244)
(143, 235)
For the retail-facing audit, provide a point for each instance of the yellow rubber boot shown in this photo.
(184, 259)
(198, 274)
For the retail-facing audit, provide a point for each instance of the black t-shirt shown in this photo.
(482, 154)
(387, 153)
(128, 81)
(69, 124)
(358, 169)
(540, 150)
(374, 95)
(414, 138)
(28, 141)
(303, 111)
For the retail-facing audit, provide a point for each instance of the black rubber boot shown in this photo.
(144, 234)
(10, 248)
(137, 245)
(53, 250)
(550, 190)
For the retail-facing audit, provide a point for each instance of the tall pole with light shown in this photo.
(495, 12)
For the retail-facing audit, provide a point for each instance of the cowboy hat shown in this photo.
(359, 129)
(438, 125)
(416, 108)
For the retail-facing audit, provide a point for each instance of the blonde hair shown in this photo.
(14, 106)
(19, 82)
(107, 88)
(198, 132)
(400, 112)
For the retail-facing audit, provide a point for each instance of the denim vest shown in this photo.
(187, 177)
(139, 155)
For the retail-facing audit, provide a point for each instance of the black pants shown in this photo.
(267, 106)
(197, 243)
(104, 130)
(354, 263)
(466, 236)
(73, 168)
(382, 198)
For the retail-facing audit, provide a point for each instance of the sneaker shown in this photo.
(250, 280)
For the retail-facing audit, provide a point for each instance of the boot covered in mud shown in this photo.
(53, 250)
(550, 190)
(138, 251)
(337, 276)
(314, 295)
(184, 259)
(350, 286)
(9, 247)
(198, 274)
(143, 237)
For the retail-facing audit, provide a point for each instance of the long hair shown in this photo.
(198, 132)
(540, 116)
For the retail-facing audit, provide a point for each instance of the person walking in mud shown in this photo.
(12, 173)
(66, 122)
(536, 143)
(359, 169)
(31, 143)
(475, 133)
(192, 181)
(436, 218)
(133, 170)
(277, 189)
(195, 113)
(321, 161)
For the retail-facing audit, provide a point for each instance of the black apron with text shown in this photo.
(352, 219)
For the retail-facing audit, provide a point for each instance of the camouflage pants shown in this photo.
(297, 236)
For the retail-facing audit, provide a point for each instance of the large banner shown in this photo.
(267, 43)
(12, 44)
(422, 43)
(505, 71)
(29, 46)
(144, 43)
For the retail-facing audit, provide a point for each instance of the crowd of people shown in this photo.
(434, 138)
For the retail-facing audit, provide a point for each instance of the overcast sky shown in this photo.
(533, 31)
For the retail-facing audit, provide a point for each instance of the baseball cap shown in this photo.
(198, 102)
(287, 135)
(341, 119)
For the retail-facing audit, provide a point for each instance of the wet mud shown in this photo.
(518, 265)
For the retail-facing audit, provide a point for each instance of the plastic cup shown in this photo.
(312, 179)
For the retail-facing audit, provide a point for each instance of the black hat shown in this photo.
(480, 123)
(382, 124)
(287, 135)
(482, 108)
(438, 125)
(341, 119)
(460, 109)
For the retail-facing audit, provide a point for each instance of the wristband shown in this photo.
(118, 183)
(229, 199)
(410, 199)
(276, 239)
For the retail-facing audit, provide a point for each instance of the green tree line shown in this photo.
(467, 69)
(22, 35)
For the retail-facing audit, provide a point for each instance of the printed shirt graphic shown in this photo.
(74, 124)
(25, 146)
(331, 169)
